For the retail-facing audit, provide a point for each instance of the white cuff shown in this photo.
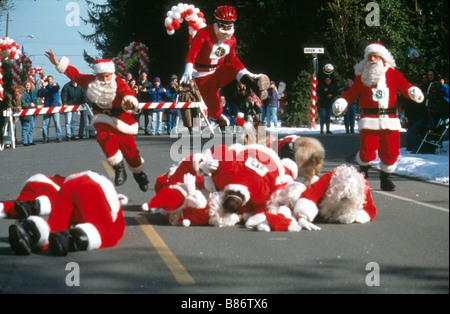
(63, 64)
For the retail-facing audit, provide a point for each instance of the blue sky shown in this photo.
(53, 24)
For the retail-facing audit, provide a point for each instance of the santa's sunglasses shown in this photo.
(225, 26)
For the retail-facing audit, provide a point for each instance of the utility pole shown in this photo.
(7, 24)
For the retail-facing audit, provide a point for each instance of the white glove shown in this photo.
(188, 73)
(207, 167)
(303, 223)
(415, 94)
(189, 183)
(339, 106)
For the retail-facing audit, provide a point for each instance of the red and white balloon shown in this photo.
(184, 12)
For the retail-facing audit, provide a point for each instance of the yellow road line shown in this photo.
(108, 169)
(176, 268)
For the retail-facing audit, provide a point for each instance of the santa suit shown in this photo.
(216, 64)
(342, 196)
(38, 187)
(254, 170)
(88, 201)
(115, 125)
(378, 125)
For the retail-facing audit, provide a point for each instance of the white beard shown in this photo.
(371, 72)
(102, 93)
(221, 34)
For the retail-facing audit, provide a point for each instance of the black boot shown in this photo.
(121, 175)
(222, 121)
(28, 208)
(386, 182)
(259, 86)
(142, 180)
(71, 240)
(364, 170)
(23, 235)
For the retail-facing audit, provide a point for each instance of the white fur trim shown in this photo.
(41, 178)
(362, 217)
(145, 207)
(2, 211)
(44, 229)
(307, 208)
(196, 159)
(392, 124)
(388, 168)
(291, 165)
(243, 72)
(45, 205)
(138, 169)
(63, 64)
(94, 238)
(360, 162)
(115, 160)
(130, 129)
(339, 106)
(104, 67)
(239, 188)
(123, 199)
(133, 100)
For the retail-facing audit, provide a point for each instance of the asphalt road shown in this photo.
(404, 250)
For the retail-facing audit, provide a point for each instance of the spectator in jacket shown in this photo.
(190, 93)
(350, 115)
(157, 94)
(14, 102)
(271, 105)
(71, 95)
(144, 85)
(50, 92)
(29, 101)
(251, 110)
(327, 91)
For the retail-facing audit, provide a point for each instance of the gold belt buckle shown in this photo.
(107, 111)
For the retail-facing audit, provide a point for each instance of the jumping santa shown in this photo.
(113, 103)
(377, 83)
(87, 215)
(212, 61)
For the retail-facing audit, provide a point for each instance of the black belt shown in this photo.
(207, 66)
(379, 111)
(109, 112)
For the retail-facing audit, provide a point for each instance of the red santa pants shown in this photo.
(387, 142)
(113, 141)
(209, 87)
(84, 201)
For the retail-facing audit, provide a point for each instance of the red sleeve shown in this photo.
(353, 93)
(197, 44)
(81, 79)
(232, 58)
(402, 83)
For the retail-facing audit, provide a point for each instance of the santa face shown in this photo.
(372, 72)
(102, 91)
(223, 31)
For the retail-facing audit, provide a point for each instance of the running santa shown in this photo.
(113, 103)
(377, 83)
(212, 61)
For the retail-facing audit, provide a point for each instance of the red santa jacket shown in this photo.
(206, 50)
(383, 95)
(109, 101)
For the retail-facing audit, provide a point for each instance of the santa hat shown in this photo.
(342, 195)
(380, 50)
(280, 221)
(104, 66)
(168, 198)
